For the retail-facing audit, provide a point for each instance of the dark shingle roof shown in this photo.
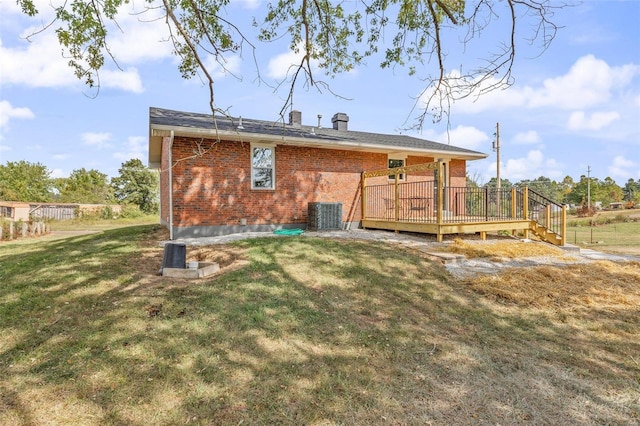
(327, 136)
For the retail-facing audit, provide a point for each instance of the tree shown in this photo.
(610, 191)
(137, 185)
(544, 186)
(565, 187)
(25, 181)
(337, 36)
(632, 191)
(86, 187)
(493, 183)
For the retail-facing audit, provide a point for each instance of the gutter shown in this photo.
(171, 186)
(160, 130)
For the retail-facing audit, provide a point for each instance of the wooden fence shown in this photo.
(10, 230)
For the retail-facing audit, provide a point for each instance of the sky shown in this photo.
(573, 109)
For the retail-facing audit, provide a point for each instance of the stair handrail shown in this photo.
(556, 223)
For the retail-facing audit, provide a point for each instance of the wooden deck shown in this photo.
(428, 206)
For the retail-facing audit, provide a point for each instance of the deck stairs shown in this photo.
(547, 218)
(545, 234)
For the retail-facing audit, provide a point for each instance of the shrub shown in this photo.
(107, 213)
(621, 218)
(130, 211)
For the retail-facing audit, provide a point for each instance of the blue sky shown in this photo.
(574, 106)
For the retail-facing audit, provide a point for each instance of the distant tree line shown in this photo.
(568, 191)
(135, 185)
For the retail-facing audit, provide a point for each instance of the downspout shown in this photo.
(171, 186)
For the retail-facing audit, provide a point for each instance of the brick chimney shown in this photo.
(340, 121)
(295, 118)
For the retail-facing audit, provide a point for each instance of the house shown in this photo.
(232, 175)
(14, 211)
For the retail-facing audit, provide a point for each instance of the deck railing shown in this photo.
(546, 212)
(428, 201)
(479, 204)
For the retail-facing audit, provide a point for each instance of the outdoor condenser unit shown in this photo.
(324, 216)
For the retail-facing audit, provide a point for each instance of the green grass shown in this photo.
(616, 237)
(101, 224)
(300, 331)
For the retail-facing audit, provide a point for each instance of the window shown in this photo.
(6, 211)
(263, 167)
(396, 162)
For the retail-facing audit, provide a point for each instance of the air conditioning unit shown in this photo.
(324, 216)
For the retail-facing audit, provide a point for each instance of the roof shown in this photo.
(165, 122)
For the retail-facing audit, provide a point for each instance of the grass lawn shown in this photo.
(620, 237)
(101, 224)
(313, 331)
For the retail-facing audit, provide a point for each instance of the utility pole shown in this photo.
(496, 148)
(589, 189)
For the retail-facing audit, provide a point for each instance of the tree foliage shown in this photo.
(137, 185)
(544, 186)
(86, 187)
(25, 181)
(631, 191)
(337, 36)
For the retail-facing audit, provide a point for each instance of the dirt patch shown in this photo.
(148, 266)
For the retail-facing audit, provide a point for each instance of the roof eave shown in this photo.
(157, 132)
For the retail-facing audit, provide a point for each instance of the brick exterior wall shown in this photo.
(213, 190)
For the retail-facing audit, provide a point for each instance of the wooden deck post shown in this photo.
(363, 197)
(396, 196)
(440, 205)
(547, 219)
(514, 205)
(563, 225)
(525, 207)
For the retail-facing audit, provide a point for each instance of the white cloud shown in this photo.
(138, 37)
(217, 71)
(8, 111)
(128, 80)
(624, 168)
(462, 136)
(60, 156)
(529, 167)
(135, 147)
(59, 173)
(530, 137)
(281, 65)
(589, 82)
(36, 64)
(250, 4)
(141, 35)
(98, 140)
(596, 121)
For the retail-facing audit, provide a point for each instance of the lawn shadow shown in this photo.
(296, 331)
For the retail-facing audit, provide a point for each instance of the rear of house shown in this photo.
(232, 175)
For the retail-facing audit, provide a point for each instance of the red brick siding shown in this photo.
(458, 173)
(214, 189)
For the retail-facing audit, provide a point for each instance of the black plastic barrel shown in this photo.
(175, 256)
